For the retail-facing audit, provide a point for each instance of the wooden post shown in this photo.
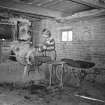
(0, 50)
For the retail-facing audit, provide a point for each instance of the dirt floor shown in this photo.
(31, 94)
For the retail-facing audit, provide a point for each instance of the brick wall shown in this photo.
(88, 39)
(88, 44)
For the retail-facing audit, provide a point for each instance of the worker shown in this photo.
(47, 43)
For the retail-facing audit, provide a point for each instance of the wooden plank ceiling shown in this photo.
(60, 5)
(65, 6)
(52, 8)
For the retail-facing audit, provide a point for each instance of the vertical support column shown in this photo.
(36, 27)
(17, 30)
(0, 50)
(14, 33)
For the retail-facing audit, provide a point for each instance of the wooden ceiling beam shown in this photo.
(30, 9)
(83, 15)
(90, 3)
(53, 2)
